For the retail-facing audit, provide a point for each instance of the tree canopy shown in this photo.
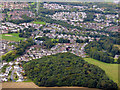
(66, 69)
(102, 50)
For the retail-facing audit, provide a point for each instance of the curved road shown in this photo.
(12, 78)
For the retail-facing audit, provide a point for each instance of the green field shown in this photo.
(110, 69)
(12, 37)
(117, 46)
(54, 39)
(28, 80)
(37, 22)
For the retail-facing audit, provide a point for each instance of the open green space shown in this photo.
(15, 77)
(33, 3)
(110, 69)
(28, 80)
(11, 37)
(117, 46)
(38, 22)
(54, 40)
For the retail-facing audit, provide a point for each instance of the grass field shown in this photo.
(110, 69)
(37, 22)
(12, 37)
(54, 39)
(117, 46)
(28, 80)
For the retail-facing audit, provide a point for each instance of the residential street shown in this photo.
(12, 78)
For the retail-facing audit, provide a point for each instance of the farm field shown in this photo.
(32, 85)
(11, 37)
(37, 22)
(19, 85)
(110, 69)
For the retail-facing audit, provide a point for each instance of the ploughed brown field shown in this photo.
(19, 85)
(32, 85)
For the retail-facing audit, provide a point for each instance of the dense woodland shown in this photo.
(67, 69)
(103, 50)
(26, 19)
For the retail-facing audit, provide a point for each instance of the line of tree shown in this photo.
(82, 41)
(49, 43)
(102, 50)
(26, 19)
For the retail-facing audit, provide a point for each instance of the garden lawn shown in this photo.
(110, 69)
(28, 80)
(12, 37)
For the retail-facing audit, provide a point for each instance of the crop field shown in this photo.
(110, 69)
(19, 85)
(32, 85)
(11, 37)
